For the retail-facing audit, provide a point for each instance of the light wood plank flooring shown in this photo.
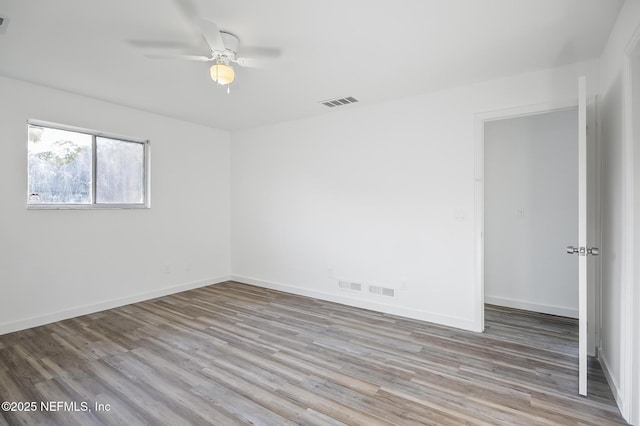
(238, 354)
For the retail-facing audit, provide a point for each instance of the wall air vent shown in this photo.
(382, 291)
(349, 286)
(339, 101)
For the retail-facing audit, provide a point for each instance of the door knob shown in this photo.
(594, 251)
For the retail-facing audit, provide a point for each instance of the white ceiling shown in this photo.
(373, 50)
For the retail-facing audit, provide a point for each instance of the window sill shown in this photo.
(87, 206)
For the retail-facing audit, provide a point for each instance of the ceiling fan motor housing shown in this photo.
(231, 43)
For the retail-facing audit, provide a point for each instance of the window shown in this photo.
(76, 168)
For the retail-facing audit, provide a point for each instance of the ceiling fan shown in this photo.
(223, 53)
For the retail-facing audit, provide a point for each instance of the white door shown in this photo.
(582, 250)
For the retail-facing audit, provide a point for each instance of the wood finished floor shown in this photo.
(238, 354)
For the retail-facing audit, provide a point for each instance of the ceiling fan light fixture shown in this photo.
(222, 73)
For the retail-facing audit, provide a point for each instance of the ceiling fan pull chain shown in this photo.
(228, 89)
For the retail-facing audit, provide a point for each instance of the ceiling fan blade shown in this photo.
(253, 62)
(187, 8)
(211, 34)
(259, 52)
(151, 44)
(197, 58)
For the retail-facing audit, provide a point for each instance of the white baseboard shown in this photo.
(344, 299)
(615, 389)
(528, 306)
(39, 320)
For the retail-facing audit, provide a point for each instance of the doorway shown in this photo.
(531, 212)
(589, 202)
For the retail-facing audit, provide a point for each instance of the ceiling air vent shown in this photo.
(339, 101)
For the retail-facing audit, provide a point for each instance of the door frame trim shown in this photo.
(629, 400)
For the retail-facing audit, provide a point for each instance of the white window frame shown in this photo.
(146, 204)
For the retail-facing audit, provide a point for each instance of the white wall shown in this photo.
(60, 263)
(382, 194)
(615, 355)
(531, 212)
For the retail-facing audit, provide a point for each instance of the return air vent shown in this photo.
(349, 286)
(382, 291)
(339, 101)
